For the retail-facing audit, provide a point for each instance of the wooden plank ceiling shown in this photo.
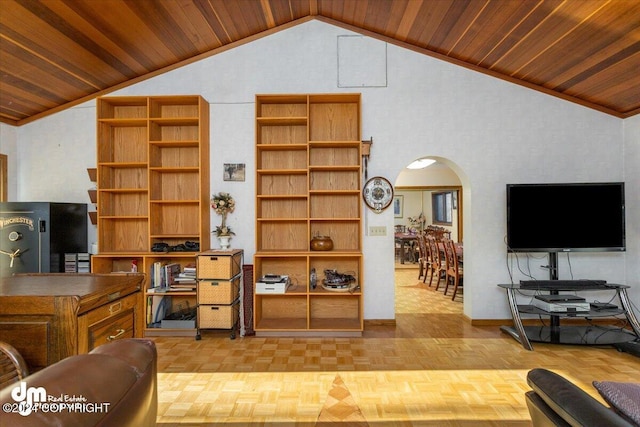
(58, 53)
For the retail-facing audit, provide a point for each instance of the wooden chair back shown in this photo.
(439, 233)
(13, 368)
(437, 263)
(423, 257)
(454, 272)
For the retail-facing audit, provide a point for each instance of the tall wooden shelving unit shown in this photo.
(308, 182)
(152, 183)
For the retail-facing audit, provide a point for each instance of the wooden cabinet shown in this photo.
(153, 187)
(48, 317)
(308, 157)
(219, 284)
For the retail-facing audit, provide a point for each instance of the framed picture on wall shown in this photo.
(234, 171)
(398, 201)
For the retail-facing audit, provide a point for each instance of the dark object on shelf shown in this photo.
(180, 247)
(321, 243)
(565, 285)
(603, 306)
(160, 247)
(313, 278)
(181, 319)
(333, 279)
(192, 246)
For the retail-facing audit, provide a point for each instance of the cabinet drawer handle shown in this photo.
(116, 336)
(114, 308)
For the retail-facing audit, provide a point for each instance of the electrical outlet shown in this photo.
(379, 230)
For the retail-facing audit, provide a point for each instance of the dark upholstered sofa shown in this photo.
(113, 385)
(555, 401)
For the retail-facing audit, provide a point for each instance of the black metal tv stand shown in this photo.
(584, 335)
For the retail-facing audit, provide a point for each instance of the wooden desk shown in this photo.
(48, 317)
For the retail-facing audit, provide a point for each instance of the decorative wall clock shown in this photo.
(377, 193)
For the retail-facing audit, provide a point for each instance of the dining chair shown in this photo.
(437, 262)
(454, 271)
(423, 257)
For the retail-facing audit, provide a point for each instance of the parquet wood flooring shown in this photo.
(431, 369)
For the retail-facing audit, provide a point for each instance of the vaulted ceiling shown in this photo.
(57, 53)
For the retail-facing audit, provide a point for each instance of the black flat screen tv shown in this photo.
(581, 217)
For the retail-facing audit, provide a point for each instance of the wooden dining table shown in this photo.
(405, 239)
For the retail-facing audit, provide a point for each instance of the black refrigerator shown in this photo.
(35, 236)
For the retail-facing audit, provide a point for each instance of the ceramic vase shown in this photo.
(225, 242)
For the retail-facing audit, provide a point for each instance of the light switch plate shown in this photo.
(378, 230)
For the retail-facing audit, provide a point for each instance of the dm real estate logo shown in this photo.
(36, 399)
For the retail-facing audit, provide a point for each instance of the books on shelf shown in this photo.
(172, 277)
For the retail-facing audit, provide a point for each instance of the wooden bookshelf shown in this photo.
(152, 181)
(308, 182)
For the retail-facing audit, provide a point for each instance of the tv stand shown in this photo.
(584, 335)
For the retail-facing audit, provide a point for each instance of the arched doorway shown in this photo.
(433, 193)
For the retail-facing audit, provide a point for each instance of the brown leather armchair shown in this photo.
(113, 385)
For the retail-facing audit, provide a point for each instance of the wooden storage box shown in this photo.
(217, 316)
(219, 264)
(218, 291)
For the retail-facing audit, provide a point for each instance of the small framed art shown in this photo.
(234, 171)
(397, 206)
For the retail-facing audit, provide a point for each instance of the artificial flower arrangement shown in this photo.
(223, 204)
(417, 222)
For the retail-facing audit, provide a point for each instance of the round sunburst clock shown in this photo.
(377, 193)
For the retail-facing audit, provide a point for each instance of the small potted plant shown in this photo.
(223, 204)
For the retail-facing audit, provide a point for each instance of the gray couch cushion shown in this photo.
(623, 397)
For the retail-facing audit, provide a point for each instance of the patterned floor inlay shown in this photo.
(340, 407)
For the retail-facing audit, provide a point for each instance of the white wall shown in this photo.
(488, 131)
(632, 177)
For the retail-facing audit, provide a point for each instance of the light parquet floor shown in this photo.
(432, 369)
